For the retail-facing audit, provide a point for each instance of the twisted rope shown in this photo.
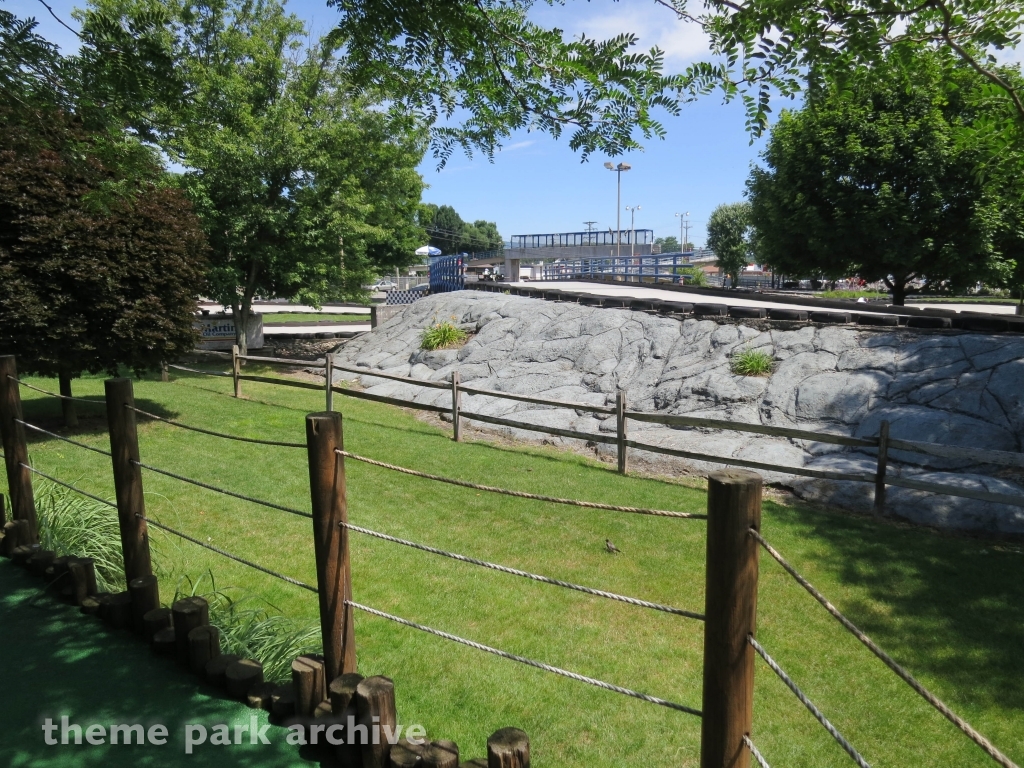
(527, 575)
(753, 751)
(61, 437)
(68, 485)
(228, 555)
(927, 695)
(522, 494)
(54, 394)
(847, 747)
(215, 434)
(529, 662)
(209, 487)
(196, 370)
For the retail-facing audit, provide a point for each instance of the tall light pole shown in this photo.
(618, 204)
(683, 222)
(632, 228)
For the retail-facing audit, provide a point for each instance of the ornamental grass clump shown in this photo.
(753, 362)
(253, 628)
(78, 526)
(443, 335)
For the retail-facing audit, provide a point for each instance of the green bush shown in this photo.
(443, 335)
(694, 276)
(753, 362)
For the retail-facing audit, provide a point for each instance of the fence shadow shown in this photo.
(967, 591)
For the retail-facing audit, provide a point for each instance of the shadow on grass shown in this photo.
(959, 601)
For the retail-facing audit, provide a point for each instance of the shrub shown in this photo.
(693, 276)
(753, 362)
(70, 524)
(443, 335)
(253, 628)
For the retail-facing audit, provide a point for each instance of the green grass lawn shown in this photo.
(950, 608)
(275, 318)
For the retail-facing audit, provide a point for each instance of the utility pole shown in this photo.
(618, 204)
(684, 223)
(590, 228)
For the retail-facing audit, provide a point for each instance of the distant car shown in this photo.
(425, 288)
(383, 285)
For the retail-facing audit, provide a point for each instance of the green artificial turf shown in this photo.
(58, 663)
(950, 608)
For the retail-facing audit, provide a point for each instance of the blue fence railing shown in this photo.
(447, 273)
(665, 268)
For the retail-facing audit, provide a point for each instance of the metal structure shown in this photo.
(662, 268)
(590, 238)
(447, 273)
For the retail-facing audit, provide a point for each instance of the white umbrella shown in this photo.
(428, 250)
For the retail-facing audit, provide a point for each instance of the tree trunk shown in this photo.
(67, 406)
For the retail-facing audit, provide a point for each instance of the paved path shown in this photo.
(56, 662)
(641, 292)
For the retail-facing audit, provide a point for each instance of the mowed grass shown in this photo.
(278, 318)
(950, 608)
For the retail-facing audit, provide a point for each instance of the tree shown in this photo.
(304, 188)
(451, 234)
(668, 244)
(874, 183)
(89, 281)
(729, 237)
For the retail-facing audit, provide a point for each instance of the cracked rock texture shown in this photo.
(956, 388)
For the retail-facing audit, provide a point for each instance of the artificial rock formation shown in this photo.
(953, 387)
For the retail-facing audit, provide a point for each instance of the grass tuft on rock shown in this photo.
(443, 335)
(753, 362)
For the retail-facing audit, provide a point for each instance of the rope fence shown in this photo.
(527, 575)
(528, 662)
(989, 748)
(227, 554)
(522, 494)
(68, 485)
(847, 747)
(34, 428)
(755, 753)
(214, 488)
(54, 394)
(181, 425)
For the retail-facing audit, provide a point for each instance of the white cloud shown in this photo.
(518, 145)
(654, 25)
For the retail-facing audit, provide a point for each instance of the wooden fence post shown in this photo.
(67, 407)
(734, 507)
(329, 382)
(131, 504)
(620, 429)
(236, 370)
(456, 408)
(330, 541)
(12, 434)
(883, 464)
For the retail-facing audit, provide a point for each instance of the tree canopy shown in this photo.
(305, 187)
(451, 234)
(91, 281)
(873, 182)
(729, 237)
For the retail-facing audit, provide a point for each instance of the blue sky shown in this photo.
(539, 185)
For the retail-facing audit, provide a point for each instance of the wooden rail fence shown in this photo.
(881, 443)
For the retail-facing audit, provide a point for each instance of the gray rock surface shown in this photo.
(951, 387)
